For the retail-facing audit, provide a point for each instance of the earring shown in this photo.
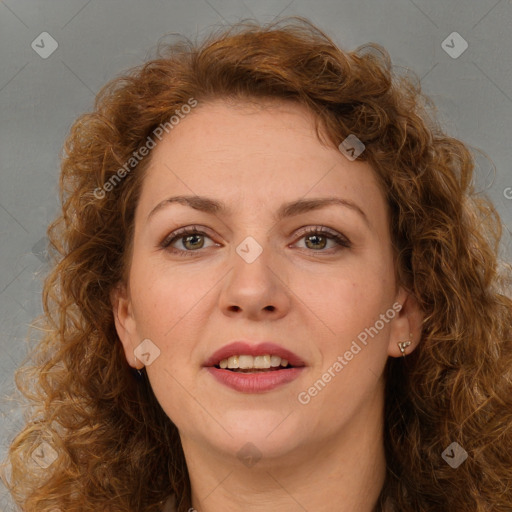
(402, 345)
(139, 371)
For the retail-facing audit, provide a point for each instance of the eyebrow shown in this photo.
(290, 209)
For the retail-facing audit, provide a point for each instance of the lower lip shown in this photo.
(255, 382)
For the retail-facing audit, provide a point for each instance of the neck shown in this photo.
(344, 471)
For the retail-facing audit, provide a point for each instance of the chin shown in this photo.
(272, 432)
(249, 448)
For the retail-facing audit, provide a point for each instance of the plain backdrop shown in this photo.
(93, 41)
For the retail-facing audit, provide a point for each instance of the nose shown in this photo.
(256, 288)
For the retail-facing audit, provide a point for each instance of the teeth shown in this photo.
(262, 361)
(232, 362)
(247, 362)
(275, 361)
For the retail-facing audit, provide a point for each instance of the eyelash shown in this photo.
(194, 230)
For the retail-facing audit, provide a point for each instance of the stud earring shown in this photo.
(402, 345)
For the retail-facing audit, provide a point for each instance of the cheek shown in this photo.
(168, 297)
(169, 308)
(352, 354)
(348, 312)
(357, 294)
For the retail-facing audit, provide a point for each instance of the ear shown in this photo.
(126, 326)
(407, 325)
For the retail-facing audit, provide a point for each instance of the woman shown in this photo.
(275, 291)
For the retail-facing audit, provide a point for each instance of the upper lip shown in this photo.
(259, 349)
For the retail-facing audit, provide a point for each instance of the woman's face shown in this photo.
(252, 274)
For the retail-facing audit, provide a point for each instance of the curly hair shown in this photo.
(116, 449)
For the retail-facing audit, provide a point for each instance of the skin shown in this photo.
(311, 296)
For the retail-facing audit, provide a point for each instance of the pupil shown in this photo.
(187, 239)
(317, 237)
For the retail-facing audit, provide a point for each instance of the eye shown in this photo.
(317, 237)
(190, 238)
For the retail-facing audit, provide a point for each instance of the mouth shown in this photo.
(245, 363)
(258, 368)
(242, 357)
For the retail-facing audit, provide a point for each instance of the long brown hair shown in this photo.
(116, 449)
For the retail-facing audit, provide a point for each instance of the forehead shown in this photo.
(255, 153)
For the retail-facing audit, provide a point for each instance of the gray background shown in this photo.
(40, 98)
